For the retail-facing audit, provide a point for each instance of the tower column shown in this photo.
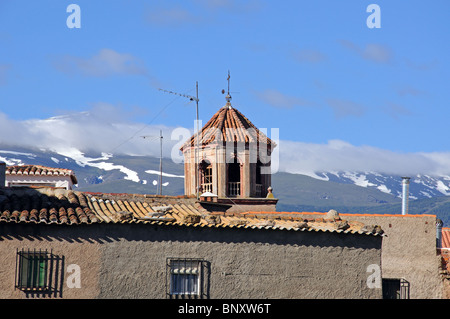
(221, 172)
(245, 175)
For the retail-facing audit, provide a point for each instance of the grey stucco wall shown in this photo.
(129, 261)
(72, 245)
(408, 251)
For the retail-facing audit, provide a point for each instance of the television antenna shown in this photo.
(192, 98)
(160, 158)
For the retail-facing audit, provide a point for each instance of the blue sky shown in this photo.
(313, 69)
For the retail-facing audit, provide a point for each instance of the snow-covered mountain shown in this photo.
(348, 192)
(104, 172)
(421, 186)
(128, 173)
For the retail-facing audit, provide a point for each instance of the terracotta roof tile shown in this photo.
(445, 237)
(60, 206)
(229, 125)
(39, 170)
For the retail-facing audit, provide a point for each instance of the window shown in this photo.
(234, 178)
(208, 174)
(206, 171)
(39, 272)
(395, 289)
(185, 278)
(32, 270)
(259, 180)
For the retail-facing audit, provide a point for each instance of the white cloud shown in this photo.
(105, 63)
(373, 52)
(174, 16)
(234, 6)
(280, 100)
(337, 155)
(377, 53)
(103, 128)
(409, 90)
(309, 56)
(89, 132)
(396, 111)
(422, 66)
(342, 108)
(199, 12)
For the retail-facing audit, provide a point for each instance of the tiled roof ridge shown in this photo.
(140, 195)
(331, 219)
(246, 120)
(148, 197)
(46, 205)
(40, 170)
(28, 167)
(60, 206)
(344, 214)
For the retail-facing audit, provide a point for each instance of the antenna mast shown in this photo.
(192, 98)
(160, 162)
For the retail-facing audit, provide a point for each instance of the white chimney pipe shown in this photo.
(405, 195)
(439, 225)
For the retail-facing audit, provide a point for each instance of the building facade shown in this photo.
(230, 157)
(56, 243)
(412, 265)
(411, 261)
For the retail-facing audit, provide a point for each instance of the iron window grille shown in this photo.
(187, 278)
(395, 288)
(32, 270)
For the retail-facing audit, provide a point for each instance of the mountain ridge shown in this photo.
(347, 192)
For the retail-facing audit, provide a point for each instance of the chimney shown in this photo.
(439, 225)
(269, 192)
(405, 195)
(2, 174)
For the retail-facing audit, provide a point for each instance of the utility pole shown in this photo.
(160, 158)
(196, 164)
(160, 162)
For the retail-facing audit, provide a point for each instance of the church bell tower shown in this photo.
(229, 160)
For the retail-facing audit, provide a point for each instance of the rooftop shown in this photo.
(229, 125)
(445, 238)
(39, 170)
(59, 206)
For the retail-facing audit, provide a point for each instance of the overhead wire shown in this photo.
(145, 126)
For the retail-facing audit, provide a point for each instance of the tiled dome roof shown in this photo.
(229, 125)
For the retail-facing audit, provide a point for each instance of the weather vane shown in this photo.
(228, 97)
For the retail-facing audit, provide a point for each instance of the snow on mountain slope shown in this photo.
(10, 157)
(106, 165)
(82, 160)
(102, 168)
(149, 171)
(421, 186)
